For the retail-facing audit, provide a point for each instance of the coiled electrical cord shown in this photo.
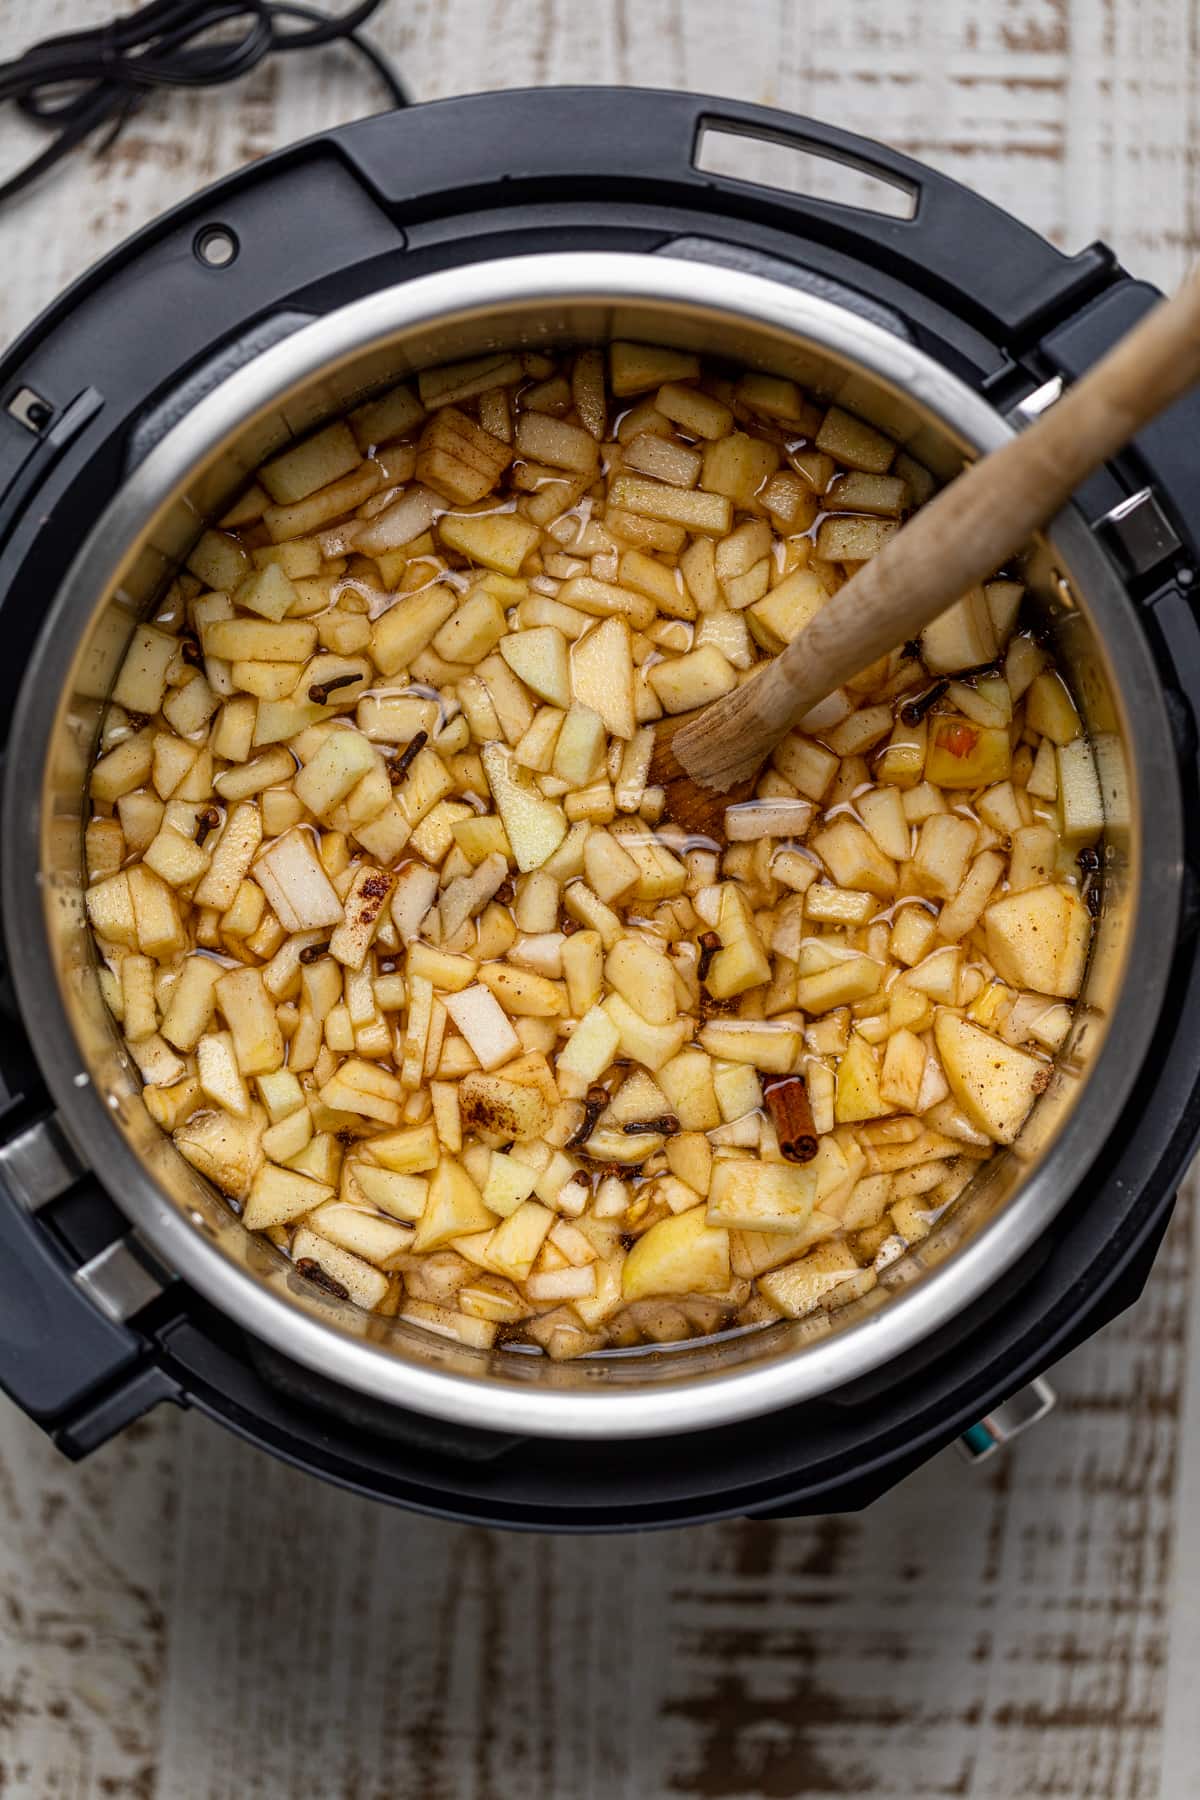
(83, 81)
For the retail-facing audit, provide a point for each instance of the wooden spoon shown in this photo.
(709, 758)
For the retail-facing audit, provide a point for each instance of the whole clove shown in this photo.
(666, 1125)
(595, 1101)
(709, 943)
(320, 691)
(206, 820)
(312, 953)
(312, 1271)
(787, 1102)
(913, 711)
(977, 672)
(407, 757)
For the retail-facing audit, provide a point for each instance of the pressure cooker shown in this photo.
(134, 409)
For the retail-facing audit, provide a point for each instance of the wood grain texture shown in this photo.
(181, 1619)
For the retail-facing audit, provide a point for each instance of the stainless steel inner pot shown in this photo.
(132, 551)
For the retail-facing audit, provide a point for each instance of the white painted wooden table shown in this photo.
(182, 1619)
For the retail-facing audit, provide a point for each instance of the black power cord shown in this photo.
(82, 81)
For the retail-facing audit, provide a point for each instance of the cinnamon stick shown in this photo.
(786, 1099)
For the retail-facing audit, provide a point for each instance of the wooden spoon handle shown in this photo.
(955, 540)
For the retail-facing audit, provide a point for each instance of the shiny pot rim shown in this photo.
(583, 1408)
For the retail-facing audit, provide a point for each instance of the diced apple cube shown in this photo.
(338, 766)
(682, 1254)
(759, 1196)
(854, 859)
(962, 754)
(771, 1045)
(944, 848)
(454, 1208)
(535, 826)
(645, 978)
(858, 1095)
(1039, 939)
(693, 680)
(402, 632)
(220, 1077)
(826, 1277)
(602, 675)
(506, 1108)
(299, 891)
(994, 1083)
(1050, 710)
(635, 367)
(963, 637)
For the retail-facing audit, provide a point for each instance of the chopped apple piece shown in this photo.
(509, 1183)
(522, 993)
(644, 976)
(963, 637)
(650, 1044)
(297, 887)
(826, 1277)
(220, 1077)
(310, 465)
(514, 1245)
(635, 367)
(507, 1108)
(338, 766)
(858, 1094)
(539, 658)
(342, 1274)
(278, 1196)
(602, 675)
(767, 1044)
(962, 754)
(224, 1147)
(994, 1083)
(142, 682)
(409, 1151)
(364, 909)
(758, 1196)
(250, 1014)
(1049, 709)
(854, 859)
(454, 1208)
(587, 1053)
(482, 1021)
(1080, 804)
(692, 680)
(682, 1254)
(457, 458)
(1039, 939)
(402, 632)
(535, 826)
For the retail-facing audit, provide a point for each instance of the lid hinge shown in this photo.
(39, 1164)
(1139, 532)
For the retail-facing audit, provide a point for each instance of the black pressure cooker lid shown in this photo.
(91, 1333)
